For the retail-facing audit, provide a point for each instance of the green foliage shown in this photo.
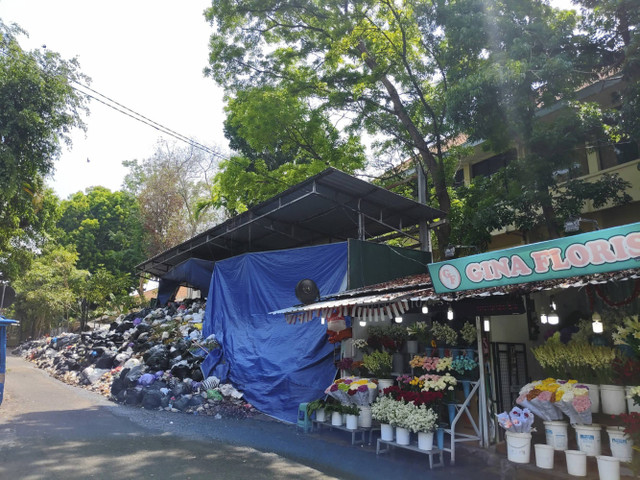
(374, 66)
(378, 363)
(281, 140)
(38, 108)
(106, 230)
(46, 294)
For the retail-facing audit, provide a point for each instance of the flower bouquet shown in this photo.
(628, 334)
(431, 364)
(444, 333)
(378, 364)
(382, 409)
(464, 365)
(362, 392)
(573, 400)
(539, 398)
(430, 399)
(469, 333)
(517, 420)
(438, 383)
(339, 390)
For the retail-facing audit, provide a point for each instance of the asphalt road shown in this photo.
(50, 430)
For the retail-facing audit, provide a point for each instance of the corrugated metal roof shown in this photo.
(323, 209)
(417, 288)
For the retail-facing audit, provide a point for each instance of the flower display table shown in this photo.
(358, 436)
(413, 447)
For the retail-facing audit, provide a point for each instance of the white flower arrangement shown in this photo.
(383, 409)
(419, 419)
(360, 343)
(399, 413)
(438, 383)
(444, 333)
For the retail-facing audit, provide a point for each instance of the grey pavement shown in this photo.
(50, 430)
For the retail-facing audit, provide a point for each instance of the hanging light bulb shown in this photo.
(321, 320)
(425, 308)
(553, 318)
(486, 325)
(398, 319)
(597, 323)
(450, 313)
(363, 323)
(543, 317)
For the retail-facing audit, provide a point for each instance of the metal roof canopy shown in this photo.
(331, 206)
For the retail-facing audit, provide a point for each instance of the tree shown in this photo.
(281, 140)
(168, 186)
(38, 108)
(46, 294)
(504, 94)
(105, 229)
(378, 63)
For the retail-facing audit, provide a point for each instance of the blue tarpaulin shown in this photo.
(276, 365)
(194, 272)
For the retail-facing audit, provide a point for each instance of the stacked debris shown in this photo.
(149, 358)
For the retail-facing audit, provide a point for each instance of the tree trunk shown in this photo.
(426, 157)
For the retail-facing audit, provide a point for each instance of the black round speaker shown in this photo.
(307, 291)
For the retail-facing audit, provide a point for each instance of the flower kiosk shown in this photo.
(439, 384)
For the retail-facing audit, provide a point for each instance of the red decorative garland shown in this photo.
(598, 290)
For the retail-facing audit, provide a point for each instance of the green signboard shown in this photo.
(609, 250)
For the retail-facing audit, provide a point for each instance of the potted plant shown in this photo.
(335, 409)
(445, 335)
(379, 364)
(421, 420)
(317, 406)
(419, 332)
(469, 334)
(382, 411)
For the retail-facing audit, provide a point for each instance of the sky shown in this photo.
(147, 55)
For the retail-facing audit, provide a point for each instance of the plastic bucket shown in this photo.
(576, 463)
(556, 433)
(518, 447)
(589, 439)
(425, 440)
(364, 419)
(608, 467)
(386, 432)
(620, 443)
(612, 399)
(403, 436)
(631, 406)
(336, 419)
(352, 422)
(544, 455)
(594, 396)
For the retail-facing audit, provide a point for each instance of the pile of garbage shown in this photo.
(150, 358)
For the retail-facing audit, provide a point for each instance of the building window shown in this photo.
(617, 154)
(491, 165)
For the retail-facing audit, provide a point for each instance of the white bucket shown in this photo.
(321, 415)
(620, 443)
(352, 422)
(544, 455)
(613, 399)
(403, 436)
(386, 432)
(589, 439)
(518, 447)
(594, 396)
(631, 406)
(364, 419)
(425, 440)
(556, 433)
(384, 383)
(608, 467)
(412, 346)
(576, 463)
(336, 419)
